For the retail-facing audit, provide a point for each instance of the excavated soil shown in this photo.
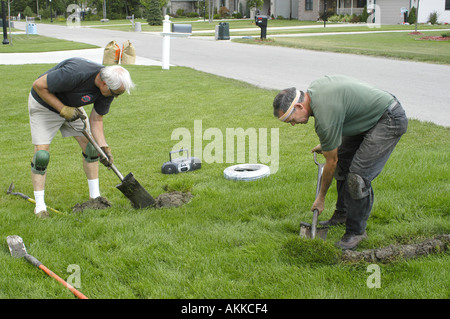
(434, 245)
(171, 199)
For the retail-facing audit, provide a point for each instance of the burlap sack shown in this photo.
(111, 55)
(128, 55)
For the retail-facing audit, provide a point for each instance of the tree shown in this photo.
(154, 16)
(255, 4)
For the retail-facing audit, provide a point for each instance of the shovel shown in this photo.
(17, 249)
(10, 192)
(130, 187)
(311, 230)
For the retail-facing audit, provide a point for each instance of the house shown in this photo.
(442, 7)
(386, 11)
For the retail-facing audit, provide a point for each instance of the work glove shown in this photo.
(71, 113)
(107, 161)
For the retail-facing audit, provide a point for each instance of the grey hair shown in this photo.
(283, 100)
(115, 76)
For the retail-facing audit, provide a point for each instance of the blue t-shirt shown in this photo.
(73, 83)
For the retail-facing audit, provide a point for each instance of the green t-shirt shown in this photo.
(344, 106)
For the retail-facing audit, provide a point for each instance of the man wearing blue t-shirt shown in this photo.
(358, 127)
(57, 97)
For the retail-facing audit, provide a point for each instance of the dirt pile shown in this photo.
(437, 244)
(171, 199)
(97, 203)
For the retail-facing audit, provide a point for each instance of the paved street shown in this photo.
(422, 88)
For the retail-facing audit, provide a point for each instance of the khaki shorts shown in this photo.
(45, 123)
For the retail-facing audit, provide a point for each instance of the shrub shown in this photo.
(180, 12)
(223, 11)
(364, 15)
(192, 15)
(28, 12)
(412, 16)
(237, 15)
(154, 16)
(433, 18)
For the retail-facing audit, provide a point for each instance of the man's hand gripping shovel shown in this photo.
(311, 230)
(129, 186)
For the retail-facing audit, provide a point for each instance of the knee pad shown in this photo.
(39, 162)
(91, 154)
(357, 186)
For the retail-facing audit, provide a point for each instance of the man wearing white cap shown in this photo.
(358, 127)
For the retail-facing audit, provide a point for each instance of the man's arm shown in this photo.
(331, 158)
(41, 88)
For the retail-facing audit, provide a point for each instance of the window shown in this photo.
(308, 5)
(361, 3)
(447, 4)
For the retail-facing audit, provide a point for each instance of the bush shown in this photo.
(237, 15)
(433, 18)
(180, 12)
(154, 16)
(192, 15)
(412, 16)
(364, 15)
(223, 11)
(28, 12)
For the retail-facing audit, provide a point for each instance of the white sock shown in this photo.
(40, 203)
(94, 188)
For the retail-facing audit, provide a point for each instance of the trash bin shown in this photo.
(222, 31)
(137, 27)
(31, 28)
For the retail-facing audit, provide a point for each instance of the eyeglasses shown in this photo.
(114, 94)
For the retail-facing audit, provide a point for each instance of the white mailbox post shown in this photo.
(167, 34)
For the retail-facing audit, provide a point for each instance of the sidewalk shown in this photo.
(95, 55)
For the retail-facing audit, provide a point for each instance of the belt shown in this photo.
(393, 104)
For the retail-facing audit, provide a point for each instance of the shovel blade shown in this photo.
(137, 195)
(16, 246)
(306, 231)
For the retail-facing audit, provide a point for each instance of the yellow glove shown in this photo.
(71, 113)
(107, 161)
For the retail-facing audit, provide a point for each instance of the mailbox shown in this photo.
(261, 21)
(182, 28)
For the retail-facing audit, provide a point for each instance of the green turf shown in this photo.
(234, 239)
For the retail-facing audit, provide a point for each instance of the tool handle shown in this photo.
(32, 260)
(64, 283)
(99, 150)
(314, 223)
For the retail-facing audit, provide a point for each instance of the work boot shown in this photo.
(351, 241)
(42, 214)
(339, 217)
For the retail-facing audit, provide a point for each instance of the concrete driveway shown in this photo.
(422, 88)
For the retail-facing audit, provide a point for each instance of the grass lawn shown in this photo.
(393, 45)
(22, 43)
(234, 239)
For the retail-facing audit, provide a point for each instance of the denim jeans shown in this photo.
(365, 155)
